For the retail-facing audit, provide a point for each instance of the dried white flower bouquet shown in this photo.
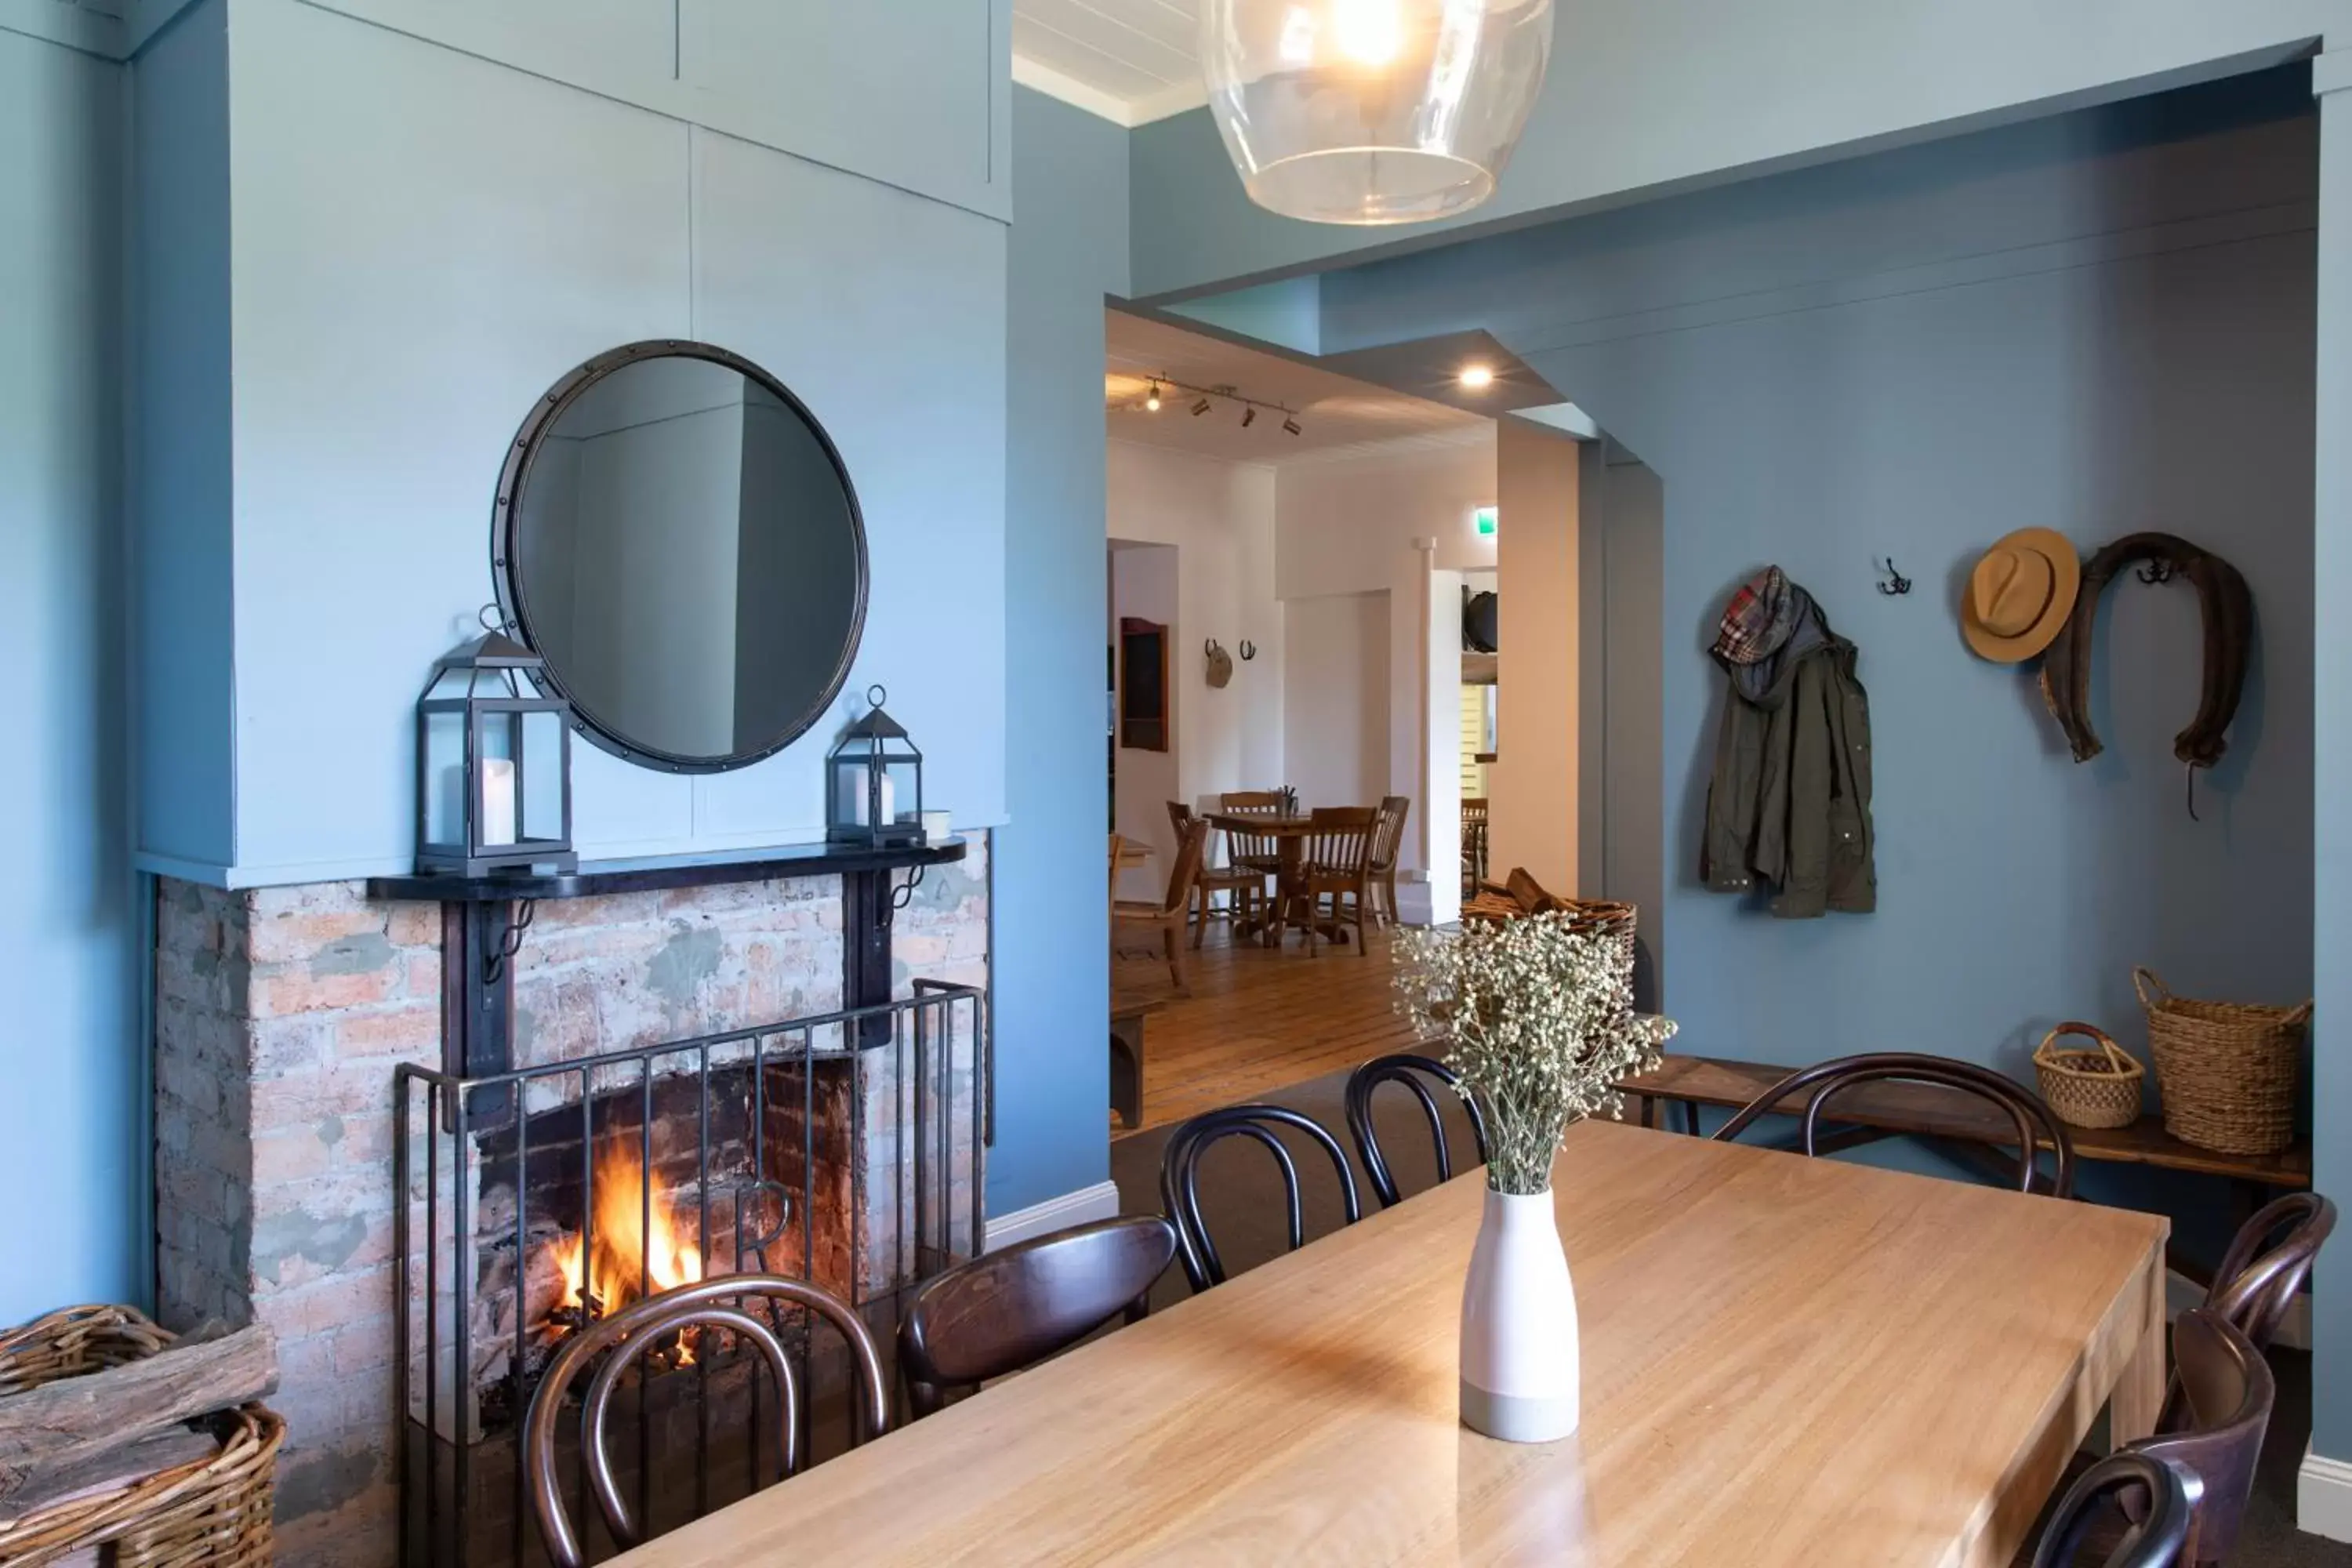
(1541, 1023)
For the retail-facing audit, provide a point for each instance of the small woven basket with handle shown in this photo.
(214, 1512)
(2088, 1088)
(2227, 1070)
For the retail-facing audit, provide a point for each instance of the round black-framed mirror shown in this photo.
(675, 535)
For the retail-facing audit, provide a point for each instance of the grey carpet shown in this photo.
(1240, 1196)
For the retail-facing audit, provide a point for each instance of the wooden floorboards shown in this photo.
(1259, 1018)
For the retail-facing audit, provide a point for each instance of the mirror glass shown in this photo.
(681, 544)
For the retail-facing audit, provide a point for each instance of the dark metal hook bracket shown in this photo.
(1895, 582)
(2154, 572)
(901, 896)
(1248, 650)
(494, 962)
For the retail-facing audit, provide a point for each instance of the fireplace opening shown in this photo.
(842, 1150)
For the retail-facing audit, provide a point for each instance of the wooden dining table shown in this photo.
(1289, 835)
(1786, 1361)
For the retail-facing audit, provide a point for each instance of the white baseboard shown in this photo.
(1082, 1208)
(2323, 1497)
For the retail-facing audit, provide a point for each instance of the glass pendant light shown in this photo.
(1372, 112)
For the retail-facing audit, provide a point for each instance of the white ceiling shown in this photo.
(1128, 60)
(1338, 415)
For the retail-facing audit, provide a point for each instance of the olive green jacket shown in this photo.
(1789, 806)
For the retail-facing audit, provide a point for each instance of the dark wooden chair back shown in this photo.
(1339, 840)
(997, 1314)
(1262, 850)
(724, 1302)
(2268, 1260)
(1388, 838)
(1255, 801)
(1410, 1072)
(2164, 1498)
(2227, 1393)
(2034, 1121)
(1179, 1168)
(1180, 817)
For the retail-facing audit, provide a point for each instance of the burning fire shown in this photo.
(626, 1252)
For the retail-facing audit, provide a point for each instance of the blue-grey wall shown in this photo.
(71, 1132)
(2100, 323)
(574, 187)
(1052, 937)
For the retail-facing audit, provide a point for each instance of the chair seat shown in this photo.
(1240, 877)
(1134, 910)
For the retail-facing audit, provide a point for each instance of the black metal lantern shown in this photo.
(874, 782)
(493, 764)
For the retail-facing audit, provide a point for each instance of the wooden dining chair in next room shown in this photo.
(1180, 1173)
(997, 1314)
(1909, 1074)
(1336, 863)
(1388, 844)
(1163, 924)
(1243, 885)
(727, 1303)
(1409, 1072)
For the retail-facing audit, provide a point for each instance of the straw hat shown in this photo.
(2020, 594)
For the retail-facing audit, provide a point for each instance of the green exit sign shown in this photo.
(1484, 521)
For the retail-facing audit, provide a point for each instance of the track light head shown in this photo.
(1200, 408)
(1291, 425)
(1249, 416)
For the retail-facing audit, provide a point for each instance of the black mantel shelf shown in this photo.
(596, 879)
(485, 920)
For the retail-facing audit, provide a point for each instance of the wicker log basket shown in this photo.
(2227, 1070)
(2089, 1088)
(212, 1512)
(1523, 895)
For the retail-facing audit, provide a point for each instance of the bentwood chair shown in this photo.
(2035, 1123)
(1408, 1070)
(1336, 863)
(1243, 885)
(1388, 844)
(2167, 1501)
(723, 1303)
(2227, 1393)
(1179, 1169)
(1164, 922)
(2268, 1260)
(997, 1314)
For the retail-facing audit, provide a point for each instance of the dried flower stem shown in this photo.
(1540, 1021)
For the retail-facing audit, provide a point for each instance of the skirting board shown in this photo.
(2323, 1497)
(1082, 1208)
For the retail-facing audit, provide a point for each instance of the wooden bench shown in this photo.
(1961, 1126)
(1126, 1016)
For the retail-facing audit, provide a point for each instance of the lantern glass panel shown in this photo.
(445, 779)
(542, 776)
(903, 789)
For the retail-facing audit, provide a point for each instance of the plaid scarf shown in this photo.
(1759, 618)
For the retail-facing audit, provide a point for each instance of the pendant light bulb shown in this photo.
(1372, 112)
(1153, 402)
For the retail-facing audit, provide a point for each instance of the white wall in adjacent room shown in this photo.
(1336, 715)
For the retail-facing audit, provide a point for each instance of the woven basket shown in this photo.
(2088, 1088)
(2227, 1070)
(1498, 901)
(211, 1512)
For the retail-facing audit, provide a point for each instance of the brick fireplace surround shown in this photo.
(280, 1014)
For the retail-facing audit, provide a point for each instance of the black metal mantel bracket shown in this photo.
(484, 919)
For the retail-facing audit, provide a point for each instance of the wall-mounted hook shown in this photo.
(1895, 582)
(1209, 649)
(2156, 572)
(1248, 650)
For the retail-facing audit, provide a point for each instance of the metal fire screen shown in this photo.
(844, 1149)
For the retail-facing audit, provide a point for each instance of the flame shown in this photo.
(625, 1251)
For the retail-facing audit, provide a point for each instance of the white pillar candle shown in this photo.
(498, 801)
(889, 801)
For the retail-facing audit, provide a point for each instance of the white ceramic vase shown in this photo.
(1520, 1365)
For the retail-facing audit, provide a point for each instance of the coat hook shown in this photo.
(1209, 649)
(1248, 650)
(1896, 581)
(2156, 572)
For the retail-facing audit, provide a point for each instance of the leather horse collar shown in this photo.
(2229, 615)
